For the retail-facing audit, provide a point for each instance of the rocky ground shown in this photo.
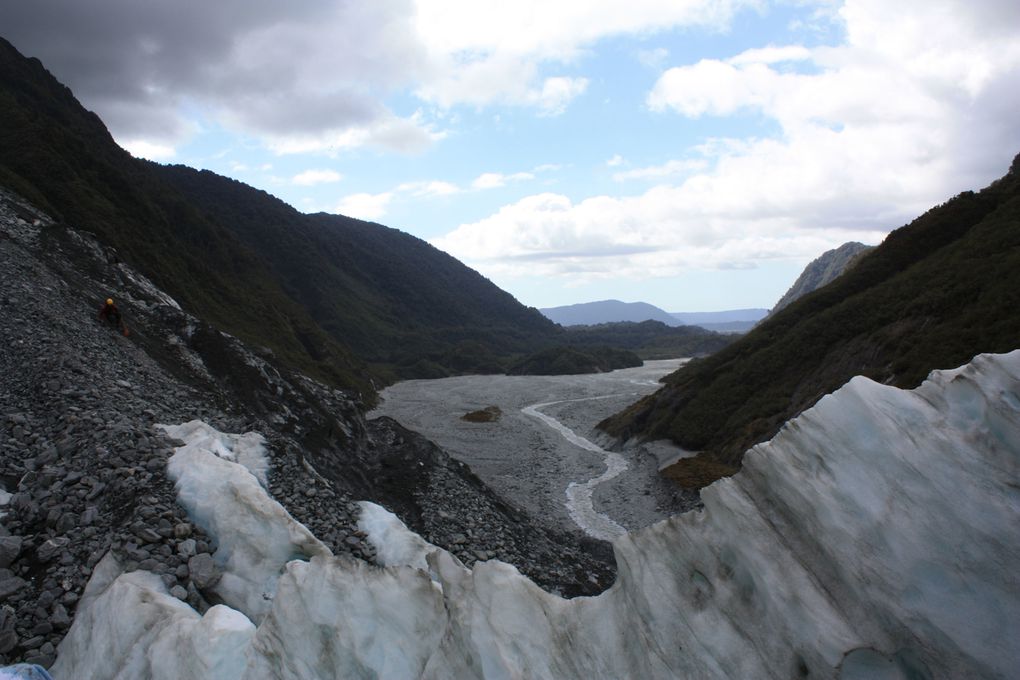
(83, 463)
(532, 464)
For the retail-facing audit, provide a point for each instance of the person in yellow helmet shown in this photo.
(111, 315)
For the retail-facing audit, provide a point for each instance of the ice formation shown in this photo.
(876, 536)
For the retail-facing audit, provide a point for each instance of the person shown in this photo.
(111, 315)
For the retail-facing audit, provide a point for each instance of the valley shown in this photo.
(525, 456)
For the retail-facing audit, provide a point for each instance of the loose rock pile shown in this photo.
(83, 463)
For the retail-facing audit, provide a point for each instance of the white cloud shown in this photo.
(408, 135)
(493, 53)
(317, 78)
(369, 206)
(312, 177)
(141, 148)
(493, 180)
(365, 206)
(663, 232)
(556, 94)
(918, 104)
(556, 29)
(615, 161)
(653, 58)
(667, 169)
(428, 189)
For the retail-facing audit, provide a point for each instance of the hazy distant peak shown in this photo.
(607, 311)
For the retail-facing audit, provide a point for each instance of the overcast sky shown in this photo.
(694, 154)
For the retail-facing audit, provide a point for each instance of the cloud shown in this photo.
(653, 58)
(493, 180)
(428, 189)
(556, 94)
(144, 149)
(615, 161)
(661, 233)
(365, 206)
(312, 177)
(670, 168)
(286, 74)
(917, 104)
(317, 76)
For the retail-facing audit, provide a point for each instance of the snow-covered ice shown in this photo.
(129, 626)
(876, 536)
(248, 449)
(255, 536)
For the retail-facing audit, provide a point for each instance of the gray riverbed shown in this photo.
(543, 454)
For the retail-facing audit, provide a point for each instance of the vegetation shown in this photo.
(570, 361)
(489, 414)
(649, 339)
(61, 157)
(934, 294)
(353, 303)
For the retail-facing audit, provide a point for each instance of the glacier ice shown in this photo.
(876, 536)
(248, 449)
(255, 536)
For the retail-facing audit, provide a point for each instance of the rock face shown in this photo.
(835, 553)
(822, 270)
(83, 463)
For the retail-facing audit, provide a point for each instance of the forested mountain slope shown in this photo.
(309, 287)
(934, 294)
(396, 300)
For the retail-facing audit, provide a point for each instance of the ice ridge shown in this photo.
(876, 536)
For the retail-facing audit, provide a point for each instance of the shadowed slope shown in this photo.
(934, 294)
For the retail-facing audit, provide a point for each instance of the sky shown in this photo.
(693, 154)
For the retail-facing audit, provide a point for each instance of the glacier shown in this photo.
(877, 535)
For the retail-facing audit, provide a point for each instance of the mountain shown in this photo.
(326, 294)
(838, 551)
(398, 302)
(822, 270)
(648, 339)
(727, 321)
(932, 295)
(606, 311)
(83, 459)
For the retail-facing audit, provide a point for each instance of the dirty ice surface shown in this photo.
(543, 454)
(877, 535)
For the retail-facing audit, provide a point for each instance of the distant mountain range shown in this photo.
(934, 294)
(607, 311)
(613, 311)
(728, 321)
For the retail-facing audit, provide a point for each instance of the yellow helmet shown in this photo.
(109, 301)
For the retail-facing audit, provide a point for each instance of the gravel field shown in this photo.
(526, 460)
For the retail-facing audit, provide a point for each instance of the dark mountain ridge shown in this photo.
(392, 297)
(324, 293)
(63, 159)
(932, 295)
